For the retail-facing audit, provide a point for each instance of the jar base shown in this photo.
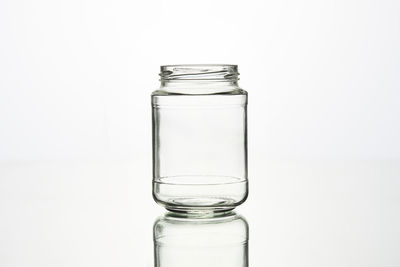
(200, 205)
(200, 195)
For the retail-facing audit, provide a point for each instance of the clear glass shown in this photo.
(219, 240)
(199, 138)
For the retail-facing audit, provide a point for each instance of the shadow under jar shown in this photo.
(199, 138)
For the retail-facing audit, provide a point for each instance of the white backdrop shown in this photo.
(75, 125)
(76, 76)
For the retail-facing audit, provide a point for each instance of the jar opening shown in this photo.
(199, 72)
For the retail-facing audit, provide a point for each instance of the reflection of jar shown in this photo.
(199, 138)
(182, 241)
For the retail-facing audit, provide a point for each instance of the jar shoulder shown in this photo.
(162, 91)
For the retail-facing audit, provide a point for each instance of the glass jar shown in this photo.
(199, 138)
(181, 240)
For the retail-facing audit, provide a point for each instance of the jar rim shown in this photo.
(199, 65)
(199, 72)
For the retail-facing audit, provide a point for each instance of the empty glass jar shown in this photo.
(199, 138)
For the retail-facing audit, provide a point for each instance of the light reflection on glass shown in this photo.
(183, 240)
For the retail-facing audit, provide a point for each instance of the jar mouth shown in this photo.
(216, 72)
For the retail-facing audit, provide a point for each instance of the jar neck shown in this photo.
(199, 79)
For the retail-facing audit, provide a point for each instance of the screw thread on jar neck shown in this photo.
(199, 79)
(199, 73)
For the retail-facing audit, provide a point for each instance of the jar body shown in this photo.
(199, 145)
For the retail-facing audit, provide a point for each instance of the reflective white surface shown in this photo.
(323, 83)
(101, 213)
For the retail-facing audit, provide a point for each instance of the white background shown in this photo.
(76, 76)
(75, 125)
